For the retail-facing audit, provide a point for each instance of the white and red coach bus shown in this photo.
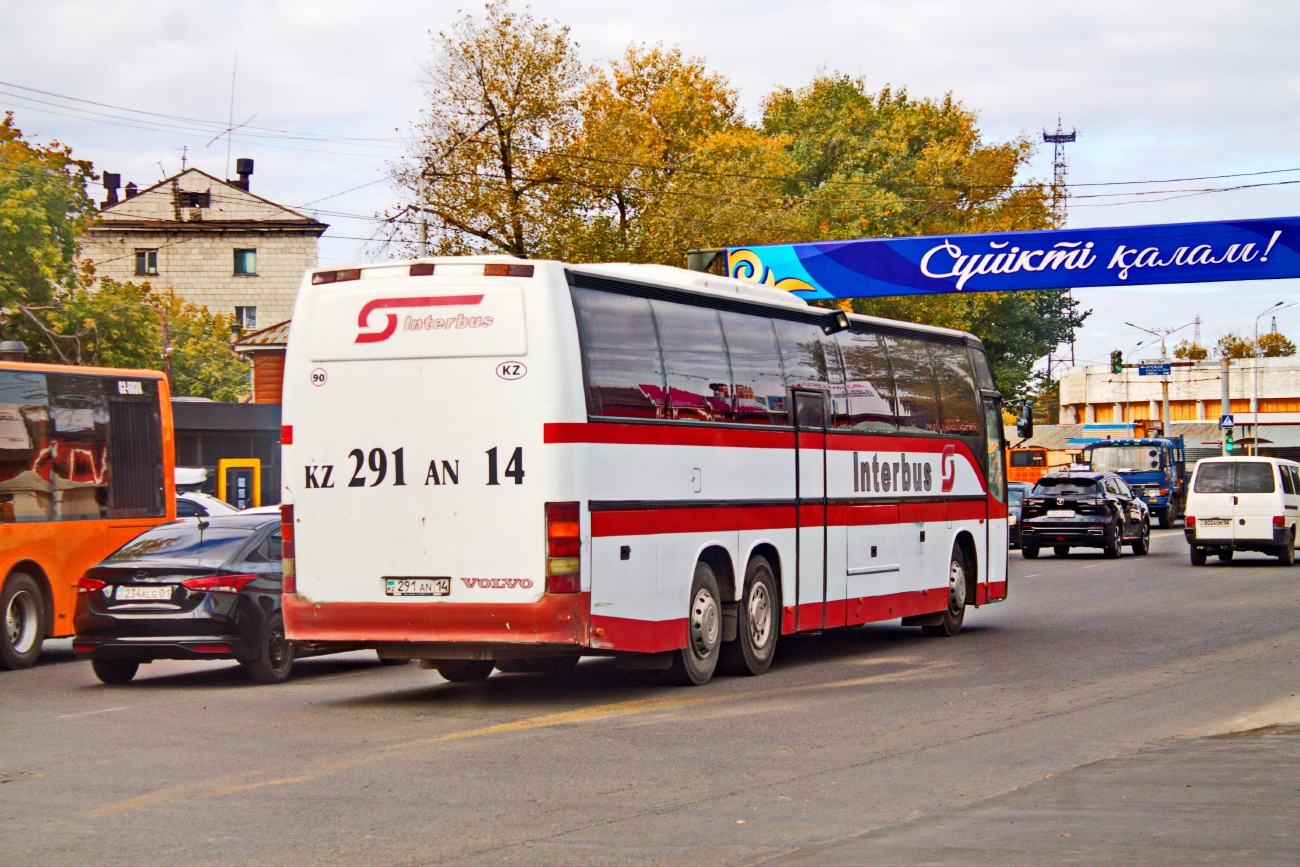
(499, 463)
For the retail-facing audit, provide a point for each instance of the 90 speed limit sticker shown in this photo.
(319, 377)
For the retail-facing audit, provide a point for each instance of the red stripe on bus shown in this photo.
(726, 518)
(665, 435)
(554, 619)
(638, 636)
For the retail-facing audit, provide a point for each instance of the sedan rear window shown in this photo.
(184, 542)
(1064, 487)
(1235, 477)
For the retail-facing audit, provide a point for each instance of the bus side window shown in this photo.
(24, 448)
(755, 368)
(869, 403)
(918, 397)
(802, 355)
(621, 359)
(79, 460)
(958, 400)
(695, 362)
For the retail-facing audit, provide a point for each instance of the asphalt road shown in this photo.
(1088, 719)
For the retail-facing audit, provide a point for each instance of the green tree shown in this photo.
(502, 95)
(1189, 351)
(202, 364)
(1232, 345)
(1275, 345)
(883, 164)
(44, 209)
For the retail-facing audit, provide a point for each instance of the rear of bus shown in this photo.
(423, 516)
(86, 464)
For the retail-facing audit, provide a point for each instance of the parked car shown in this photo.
(197, 588)
(1243, 504)
(196, 504)
(1016, 493)
(1083, 510)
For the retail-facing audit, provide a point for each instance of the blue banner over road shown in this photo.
(1014, 261)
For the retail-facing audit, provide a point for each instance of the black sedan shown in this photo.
(1083, 510)
(206, 588)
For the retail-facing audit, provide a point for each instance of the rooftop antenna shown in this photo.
(184, 153)
(1059, 140)
(1275, 325)
(1196, 334)
(231, 122)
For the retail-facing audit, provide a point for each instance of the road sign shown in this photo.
(1225, 422)
(1155, 369)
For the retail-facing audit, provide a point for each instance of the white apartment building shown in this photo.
(211, 241)
(1093, 394)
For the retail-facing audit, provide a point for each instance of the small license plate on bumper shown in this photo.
(1214, 522)
(417, 586)
(143, 594)
(1060, 513)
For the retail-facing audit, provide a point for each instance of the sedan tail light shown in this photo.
(287, 549)
(563, 548)
(90, 585)
(218, 583)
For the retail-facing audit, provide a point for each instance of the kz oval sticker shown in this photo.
(511, 370)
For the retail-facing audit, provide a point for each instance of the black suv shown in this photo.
(1083, 510)
(205, 588)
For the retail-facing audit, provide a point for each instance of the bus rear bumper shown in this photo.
(394, 628)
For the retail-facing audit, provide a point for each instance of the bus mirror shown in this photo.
(1025, 422)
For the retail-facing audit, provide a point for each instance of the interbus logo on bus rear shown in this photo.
(424, 323)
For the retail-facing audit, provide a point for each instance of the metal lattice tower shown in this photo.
(1059, 140)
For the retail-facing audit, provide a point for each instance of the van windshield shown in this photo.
(1235, 477)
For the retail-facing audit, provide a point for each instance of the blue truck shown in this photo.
(1153, 467)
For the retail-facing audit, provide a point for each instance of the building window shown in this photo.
(245, 261)
(246, 317)
(146, 262)
(196, 200)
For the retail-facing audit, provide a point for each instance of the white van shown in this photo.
(1243, 504)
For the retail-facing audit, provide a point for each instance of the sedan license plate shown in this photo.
(1060, 513)
(417, 586)
(144, 594)
(1214, 522)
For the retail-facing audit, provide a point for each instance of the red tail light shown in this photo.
(504, 270)
(1279, 521)
(89, 585)
(218, 583)
(563, 548)
(287, 550)
(210, 648)
(1189, 522)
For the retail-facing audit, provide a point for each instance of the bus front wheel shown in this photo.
(23, 630)
(955, 613)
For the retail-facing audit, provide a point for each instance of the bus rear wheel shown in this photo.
(695, 663)
(757, 625)
(23, 630)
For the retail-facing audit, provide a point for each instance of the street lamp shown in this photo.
(1254, 399)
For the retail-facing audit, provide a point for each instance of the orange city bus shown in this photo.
(86, 464)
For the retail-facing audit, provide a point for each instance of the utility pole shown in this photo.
(1058, 140)
(1162, 333)
(1225, 402)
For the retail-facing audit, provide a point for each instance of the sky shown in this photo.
(1157, 90)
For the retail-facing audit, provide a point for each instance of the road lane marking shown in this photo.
(94, 712)
(227, 785)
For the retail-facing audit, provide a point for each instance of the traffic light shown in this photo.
(1116, 361)
(1227, 440)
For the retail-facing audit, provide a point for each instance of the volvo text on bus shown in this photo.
(491, 462)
